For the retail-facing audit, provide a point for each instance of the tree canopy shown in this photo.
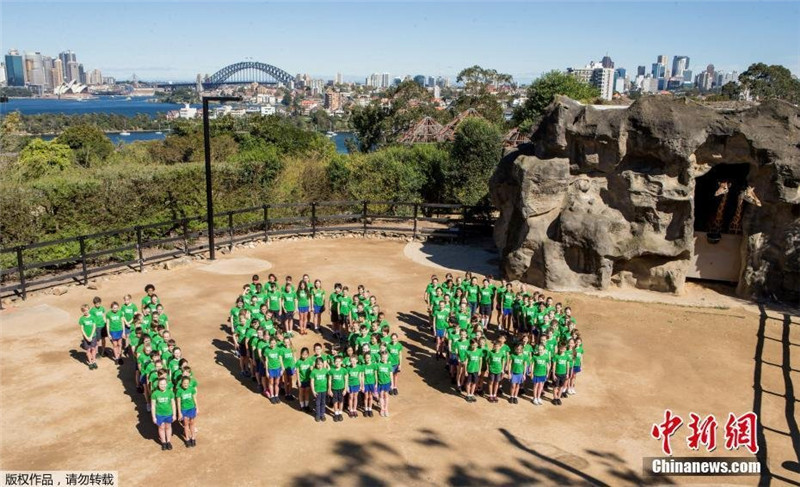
(89, 143)
(41, 157)
(770, 82)
(475, 153)
(543, 91)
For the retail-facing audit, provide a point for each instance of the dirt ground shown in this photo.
(641, 358)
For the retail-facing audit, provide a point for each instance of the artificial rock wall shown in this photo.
(605, 195)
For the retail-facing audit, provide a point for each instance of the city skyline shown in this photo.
(402, 38)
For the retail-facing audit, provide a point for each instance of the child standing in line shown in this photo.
(289, 306)
(187, 409)
(338, 384)
(370, 376)
(303, 305)
(355, 384)
(516, 366)
(129, 311)
(496, 359)
(320, 388)
(88, 328)
(473, 369)
(115, 328)
(98, 313)
(288, 364)
(395, 350)
(162, 404)
(272, 358)
(304, 366)
(318, 295)
(384, 382)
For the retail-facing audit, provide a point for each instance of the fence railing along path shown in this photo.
(39, 265)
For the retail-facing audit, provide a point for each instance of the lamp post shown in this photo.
(207, 147)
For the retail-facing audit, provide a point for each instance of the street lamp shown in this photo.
(207, 147)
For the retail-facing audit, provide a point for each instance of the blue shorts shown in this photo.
(163, 419)
(289, 372)
(274, 373)
(318, 309)
(305, 383)
(506, 311)
(354, 389)
(486, 309)
(517, 378)
(116, 335)
(576, 369)
(439, 333)
(142, 378)
(189, 413)
(395, 369)
(302, 309)
(384, 387)
(539, 379)
(127, 330)
(453, 359)
(369, 388)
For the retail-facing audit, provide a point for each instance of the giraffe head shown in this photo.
(749, 195)
(724, 187)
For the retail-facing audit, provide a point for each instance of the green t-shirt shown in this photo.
(563, 362)
(319, 380)
(472, 293)
(463, 317)
(274, 301)
(87, 325)
(540, 363)
(273, 356)
(318, 296)
(496, 361)
(345, 305)
(186, 396)
(337, 378)
(518, 363)
(441, 318)
(146, 301)
(289, 300)
(474, 360)
(508, 300)
(304, 367)
(461, 349)
(98, 313)
(430, 290)
(128, 311)
(369, 371)
(303, 297)
(394, 350)
(578, 356)
(287, 358)
(354, 375)
(486, 293)
(163, 401)
(115, 320)
(384, 373)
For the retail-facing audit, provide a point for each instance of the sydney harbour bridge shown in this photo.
(244, 72)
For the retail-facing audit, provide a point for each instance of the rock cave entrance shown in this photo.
(717, 234)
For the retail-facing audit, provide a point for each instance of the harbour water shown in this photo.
(119, 105)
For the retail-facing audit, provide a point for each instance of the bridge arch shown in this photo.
(248, 71)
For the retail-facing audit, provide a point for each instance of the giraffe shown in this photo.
(716, 224)
(749, 195)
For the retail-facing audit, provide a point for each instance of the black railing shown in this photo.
(77, 259)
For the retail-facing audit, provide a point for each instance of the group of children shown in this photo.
(537, 339)
(360, 367)
(161, 372)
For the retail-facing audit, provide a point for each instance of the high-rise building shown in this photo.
(66, 57)
(2, 74)
(596, 75)
(641, 70)
(662, 59)
(419, 79)
(437, 92)
(607, 62)
(58, 71)
(430, 82)
(338, 79)
(15, 69)
(620, 80)
(49, 81)
(679, 65)
(72, 73)
(34, 69)
(81, 74)
(385, 80)
(94, 77)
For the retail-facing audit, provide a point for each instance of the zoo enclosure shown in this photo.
(46, 264)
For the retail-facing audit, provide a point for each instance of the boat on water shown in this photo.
(330, 133)
(159, 133)
(128, 98)
(124, 133)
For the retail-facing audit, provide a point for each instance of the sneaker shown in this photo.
(163, 446)
(396, 392)
(317, 420)
(169, 445)
(194, 442)
(324, 419)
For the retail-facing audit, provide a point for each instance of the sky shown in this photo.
(175, 40)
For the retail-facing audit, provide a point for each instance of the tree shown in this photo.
(475, 153)
(11, 139)
(368, 123)
(481, 91)
(770, 82)
(730, 91)
(321, 119)
(88, 142)
(41, 157)
(477, 79)
(543, 91)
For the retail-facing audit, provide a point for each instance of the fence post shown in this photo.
(416, 210)
(21, 270)
(364, 217)
(266, 223)
(230, 229)
(82, 242)
(139, 247)
(185, 224)
(313, 219)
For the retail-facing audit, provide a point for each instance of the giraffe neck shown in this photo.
(736, 226)
(717, 224)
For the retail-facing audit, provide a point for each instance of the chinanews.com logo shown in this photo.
(739, 434)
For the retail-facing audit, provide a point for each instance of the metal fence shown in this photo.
(77, 259)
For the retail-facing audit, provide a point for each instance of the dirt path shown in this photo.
(640, 359)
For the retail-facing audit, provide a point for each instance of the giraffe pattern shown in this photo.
(749, 195)
(722, 190)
